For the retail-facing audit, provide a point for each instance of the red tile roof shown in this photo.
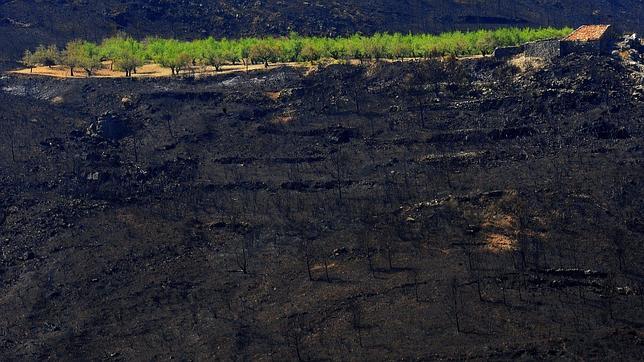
(588, 33)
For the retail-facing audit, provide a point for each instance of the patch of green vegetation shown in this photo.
(126, 53)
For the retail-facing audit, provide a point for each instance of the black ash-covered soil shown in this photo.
(397, 211)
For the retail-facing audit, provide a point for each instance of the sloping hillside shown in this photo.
(27, 23)
(432, 211)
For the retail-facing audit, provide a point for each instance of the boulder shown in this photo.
(343, 135)
(126, 102)
(96, 176)
(634, 55)
(109, 126)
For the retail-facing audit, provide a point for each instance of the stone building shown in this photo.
(596, 39)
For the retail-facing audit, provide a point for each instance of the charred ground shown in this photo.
(409, 210)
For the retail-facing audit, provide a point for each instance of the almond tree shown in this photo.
(47, 56)
(264, 52)
(169, 54)
(128, 61)
(355, 48)
(309, 53)
(125, 53)
(80, 54)
(29, 60)
(375, 48)
(486, 43)
(211, 54)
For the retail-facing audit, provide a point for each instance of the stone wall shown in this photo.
(547, 49)
(584, 47)
(507, 52)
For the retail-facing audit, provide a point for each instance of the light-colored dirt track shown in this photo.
(146, 71)
(154, 70)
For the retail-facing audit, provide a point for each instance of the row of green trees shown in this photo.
(77, 54)
(127, 54)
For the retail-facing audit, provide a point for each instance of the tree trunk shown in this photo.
(308, 267)
(13, 148)
(297, 349)
(416, 287)
(326, 270)
(356, 99)
(421, 107)
(245, 268)
(136, 151)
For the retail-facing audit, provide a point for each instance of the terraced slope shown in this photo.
(401, 211)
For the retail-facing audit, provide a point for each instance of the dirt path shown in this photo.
(154, 70)
(147, 71)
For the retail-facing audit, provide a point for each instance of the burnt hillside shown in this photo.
(29, 23)
(406, 210)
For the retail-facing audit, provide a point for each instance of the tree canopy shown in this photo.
(82, 54)
(127, 54)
